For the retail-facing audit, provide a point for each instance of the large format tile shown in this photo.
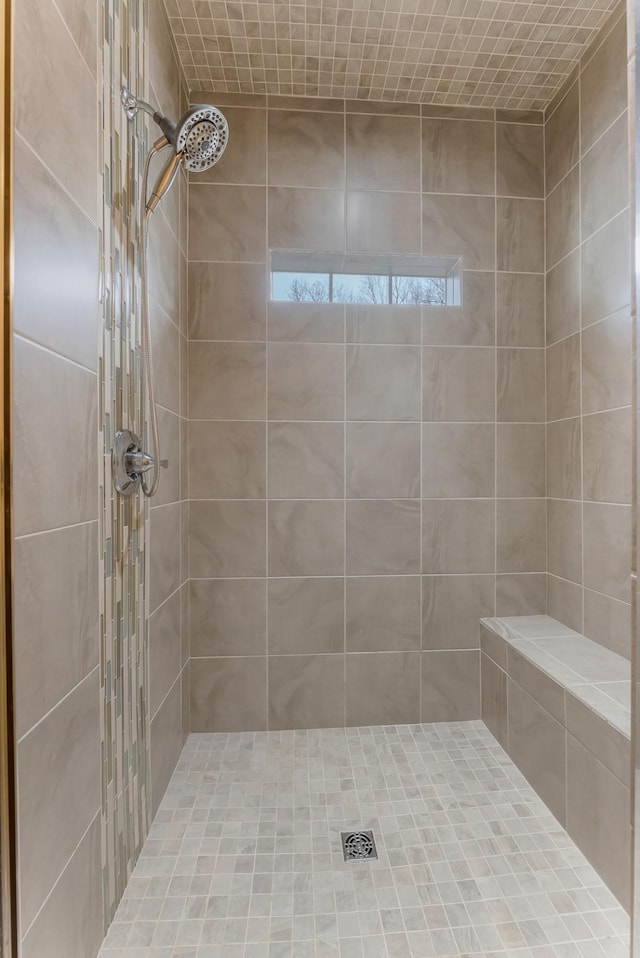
(458, 384)
(537, 746)
(607, 456)
(306, 538)
(605, 274)
(305, 381)
(520, 309)
(472, 323)
(457, 156)
(458, 460)
(383, 687)
(227, 301)
(383, 613)
(164, 651)
(227, 460)
(604, 839)
(451, 686)
(55, 284)
(227, 617)
(227, 539)
(383, 222)
(606, 363)
(306, 615)
(55, 408)
(563, 298)
(562, 137)
(306, 219)
(494, 699)
(227, 223)
(603, 85)
(383, 537)
(164, 564)
(520, 235)
(58, 769)
(229, 694)
(227, 380)
(55, 618)
(564, 458)
(459, 226)
(564, 539)
(306, 691)
(607, 548)
(458, 536)
(383, 460)
(519, 160)
(521, 542)
(520, 389)
(563, 379)
(306, 149)
(452, 606)
(383, 152)
(383, 383)
(604, 178)
(244, 158)
(166, 739)
(520, 460)
(563, 218)
(306, 460)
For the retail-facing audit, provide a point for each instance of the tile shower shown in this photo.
(349, 490)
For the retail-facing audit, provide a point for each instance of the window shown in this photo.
(364, 279)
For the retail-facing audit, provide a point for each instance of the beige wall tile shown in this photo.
(166, 740)
(306, 381)
(563, 298)
(450, 686)
(459, 226)
(229, 694)
(520, 309)
(50, 131)
(519, 160)
(165, 343)
(306, 460)
(306, 616)
(227, 539)
(59, 765)
(383, 152)
(164, 650)
(564, 539)
(564, 462)
(537, 746)
(472, 323)
(603, 86)
(227, 460)
(452, 606)
(564, 602)
(458, 536)
(494, 699)
(521, 594)
(244, 158)
(306, 538)
(520, 235)
(306, 219)
(306, 323)
(306, 149)
(54, 408)
(164, 268)
(227, 222)
(163, 72)
(458, 384)
(383, 383)
(227, 380)
(608, 621)
(520, 390)
(458, 460)
(606, 364)
(227, 301)
(604, 839)
(55, 618)
(605, 178)
(563, 218)
(383, 460)
(562, 138)
(563, 379)
(607, 549)
(605, 742)
(457, 156)
(520, 462)
(494, 646)
(521, 544)
(227, 617)
(383, 614)
(607, 456)
(164, 566)
(55, 284)
(383, 222)
(383, 324)
(605, 271)
(383, 537)
(540, 686)
(383, 688)
(306, 691)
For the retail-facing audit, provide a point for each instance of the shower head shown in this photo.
(199, 139)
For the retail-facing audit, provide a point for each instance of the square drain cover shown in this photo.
(358, 846)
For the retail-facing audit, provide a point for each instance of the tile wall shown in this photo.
(366, 483)
(55, 490)
(589, 347)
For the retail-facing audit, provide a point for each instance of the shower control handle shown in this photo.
(129, 462)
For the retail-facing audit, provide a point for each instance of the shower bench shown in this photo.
(559, 704)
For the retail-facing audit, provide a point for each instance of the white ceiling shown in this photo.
(491, 53)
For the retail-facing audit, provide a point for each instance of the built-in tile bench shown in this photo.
(560, 705)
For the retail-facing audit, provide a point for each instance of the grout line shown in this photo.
(43, 718)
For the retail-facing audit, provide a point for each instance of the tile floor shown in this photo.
(244, 858)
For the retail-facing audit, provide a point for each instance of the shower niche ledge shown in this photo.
(560, 706)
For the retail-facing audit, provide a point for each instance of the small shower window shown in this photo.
(364, 279)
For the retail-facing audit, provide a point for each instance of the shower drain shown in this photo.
(358, 846)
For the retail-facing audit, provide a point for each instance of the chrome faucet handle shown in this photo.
(137, 461)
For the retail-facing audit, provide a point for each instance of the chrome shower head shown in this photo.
(201, 137)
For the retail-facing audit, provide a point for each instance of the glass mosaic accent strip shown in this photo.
(124, 639)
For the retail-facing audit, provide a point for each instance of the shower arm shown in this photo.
(132, 106)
